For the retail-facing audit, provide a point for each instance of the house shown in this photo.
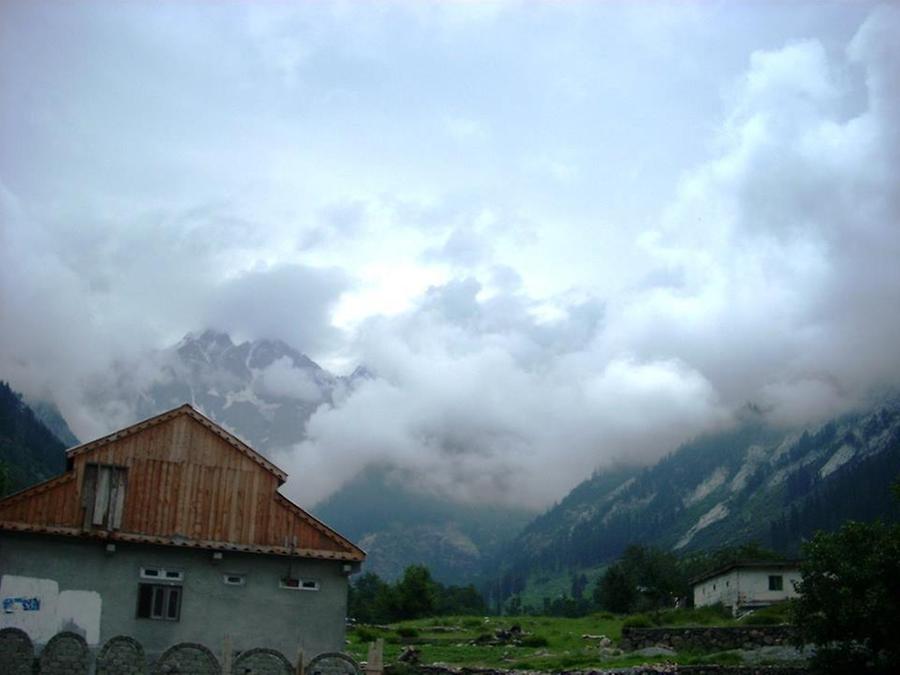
(747, 584)
(173, 530)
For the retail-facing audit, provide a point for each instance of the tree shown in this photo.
(416, 594)
(4, 479)
(850, 599)
(616, 591)
(370, 600)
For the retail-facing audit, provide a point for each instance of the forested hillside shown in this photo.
(752, 483)
(398, 526)
(29, 451)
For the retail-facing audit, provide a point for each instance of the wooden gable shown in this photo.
(178, 479)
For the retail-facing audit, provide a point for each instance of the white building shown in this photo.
(746, 584)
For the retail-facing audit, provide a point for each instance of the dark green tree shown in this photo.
(371, 600)
(416, 594)
(616, 591)
(4, 479)
(850, 599)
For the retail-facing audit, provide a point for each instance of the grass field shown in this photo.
(546, 643)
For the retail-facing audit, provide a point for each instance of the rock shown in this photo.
(655, 651)
(409, 655)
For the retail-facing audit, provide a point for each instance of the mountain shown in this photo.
(48, 414)
(29, 451)
(751, 483)
(398, 526)
(265, 391)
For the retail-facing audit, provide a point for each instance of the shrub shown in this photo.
(365, 634)
(638, 621)
(757, 619)
(850, 599)
(534, 641)
(407, 632)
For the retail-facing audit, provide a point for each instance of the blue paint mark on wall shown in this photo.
(28, 604)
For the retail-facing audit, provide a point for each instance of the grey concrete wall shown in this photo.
(257, 614)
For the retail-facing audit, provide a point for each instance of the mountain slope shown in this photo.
(29, 451)
(48, 414)
(398, 526)
(749, 483)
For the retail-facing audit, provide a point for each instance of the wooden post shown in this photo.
(299, 669)
(226, 655)
(375, 660)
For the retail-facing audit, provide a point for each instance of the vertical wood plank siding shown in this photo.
(183, 480)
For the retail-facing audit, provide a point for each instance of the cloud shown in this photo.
(395, 165)
(772, 281)
(282, 379)
(475, 399)
(287, 302)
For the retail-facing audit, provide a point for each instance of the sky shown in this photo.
(562, 234)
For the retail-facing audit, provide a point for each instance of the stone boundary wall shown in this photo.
(68, 654)
(706, 638)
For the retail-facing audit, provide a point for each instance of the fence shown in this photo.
(67, 653)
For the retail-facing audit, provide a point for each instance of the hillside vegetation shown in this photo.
(539, 643)
(749, 484)
(29, 451)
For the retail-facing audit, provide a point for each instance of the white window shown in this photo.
(162, 574)
(103, 496)
(294, 584)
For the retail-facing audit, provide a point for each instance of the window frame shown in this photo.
(164, 592)
(298, 584)
(162, 575)
(776, 582)
(104, 488)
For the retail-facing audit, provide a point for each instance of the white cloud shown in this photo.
(539, 224)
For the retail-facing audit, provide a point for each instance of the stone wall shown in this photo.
(68, 654)
(706, 638)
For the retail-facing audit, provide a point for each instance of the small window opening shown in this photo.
(299, 584)
(234, 579)
(776, 582)
(161, 573)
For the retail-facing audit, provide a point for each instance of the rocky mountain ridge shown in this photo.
(749, 483)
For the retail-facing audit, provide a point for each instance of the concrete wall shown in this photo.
(747, 586)
(55, 583)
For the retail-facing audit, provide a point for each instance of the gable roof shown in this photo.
(189, 410)
(747, 564)
(186, 481)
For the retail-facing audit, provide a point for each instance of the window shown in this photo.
(160, 598)
(299, 584)
(234, 579)
(162, 574)
(103, 496)
(776, 582)
(159, 601)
